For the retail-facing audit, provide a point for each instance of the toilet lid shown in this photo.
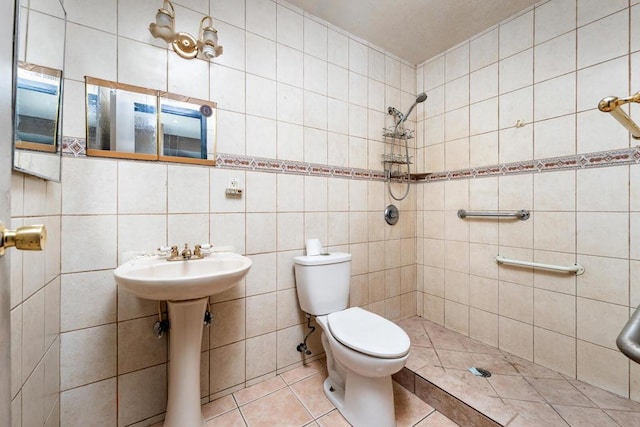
(368, 333)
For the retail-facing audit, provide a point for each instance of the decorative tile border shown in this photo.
(233, 161)
(626, 156)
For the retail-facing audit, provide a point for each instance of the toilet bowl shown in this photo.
(363, 349)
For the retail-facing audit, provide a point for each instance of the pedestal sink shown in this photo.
(186, 286)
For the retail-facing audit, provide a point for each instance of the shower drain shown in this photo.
(480, 372)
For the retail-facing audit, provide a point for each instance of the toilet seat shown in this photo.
(368, 333)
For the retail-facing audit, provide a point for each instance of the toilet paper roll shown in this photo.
(314, 247)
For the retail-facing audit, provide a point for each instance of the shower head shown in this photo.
(419, 99)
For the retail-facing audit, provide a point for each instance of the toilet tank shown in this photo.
(323, 282)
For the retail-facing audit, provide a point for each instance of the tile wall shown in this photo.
(35, 306)
(288, 86)
(547, 67)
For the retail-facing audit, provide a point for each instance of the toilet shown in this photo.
(363, 349)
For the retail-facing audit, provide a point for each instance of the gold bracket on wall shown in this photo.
(27, 238)
(611, 104)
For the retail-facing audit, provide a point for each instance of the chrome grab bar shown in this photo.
(578, 269)
(521, 214)
(629, 339)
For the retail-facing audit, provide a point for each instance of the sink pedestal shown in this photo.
(186, 320)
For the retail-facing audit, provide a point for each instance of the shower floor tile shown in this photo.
(518, 393)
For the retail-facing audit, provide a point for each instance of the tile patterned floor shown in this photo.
(296, 398)
(519, 393)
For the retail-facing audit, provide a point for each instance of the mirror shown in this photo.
(188, 129)
(122, 122)
(38, 87)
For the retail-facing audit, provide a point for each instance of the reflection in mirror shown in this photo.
(188, 127)
(121, 120)
(37, 89)
(37, 107)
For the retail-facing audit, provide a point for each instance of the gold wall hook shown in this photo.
(26, 238)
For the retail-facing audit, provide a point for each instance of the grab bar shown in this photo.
(521, 214)
(611, 104)
(575, 268)
(629, 339)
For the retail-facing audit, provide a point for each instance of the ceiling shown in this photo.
(414, 30)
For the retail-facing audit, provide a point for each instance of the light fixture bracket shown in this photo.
(185, 45)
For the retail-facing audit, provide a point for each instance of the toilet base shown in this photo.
(364, 402)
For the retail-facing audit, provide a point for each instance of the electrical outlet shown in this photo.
(233, 189)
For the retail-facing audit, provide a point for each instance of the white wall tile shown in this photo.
(289, 29)
(142, 65)
(232, 40)
(593, 48)
(590, 10)
(261, 137)
(87, 355)
(516, 35)
(483, 50)
(315, 39)
(228, 88)
(338, 48)
(261, 97)
(315, 74)
(457, 62)
(87, 299)
(553, 19)
(555, 137)
(602, 80)
(603, 190)
(230, 11)
(516, 71)
(142, 187)
(98, 252)
(483, 83)
(555, 57)
(290, 66)
(187, 228)
(261, 18)
(358, 57)
(261, 56)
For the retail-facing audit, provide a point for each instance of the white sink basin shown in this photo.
(158, 279)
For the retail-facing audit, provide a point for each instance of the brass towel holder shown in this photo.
(611, 104)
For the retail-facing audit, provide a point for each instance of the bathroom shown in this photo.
(292, 89)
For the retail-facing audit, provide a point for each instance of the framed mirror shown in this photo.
(188, 130)
(121, 120)
(38, 88)
(126, 121)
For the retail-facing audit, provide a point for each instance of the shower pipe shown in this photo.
(577, 269)
(611, 105)
(522, 214)
(399, 123)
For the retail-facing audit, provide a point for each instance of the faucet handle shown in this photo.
(186, 252)
(174, 251)
(197, 251)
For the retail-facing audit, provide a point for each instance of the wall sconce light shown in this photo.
(184, 44)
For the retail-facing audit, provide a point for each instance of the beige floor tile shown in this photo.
(530, 369)
(230, 419)
(512, 387)
(455, 359)
(436, 419)
(303, 372)
(587, 417)
(411, 324)
(333, 419)
(409, 408)
(259, 390)
(310, 392)
(605, 399)
(218, 407)
(625, 418)
(419, 338)
(497, 364)
(478, 384)
(280, 408)
(559, 392)
(532, 414)
(420, 357)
